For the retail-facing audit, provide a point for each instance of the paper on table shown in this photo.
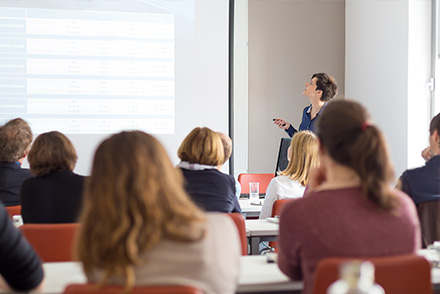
(274, 220)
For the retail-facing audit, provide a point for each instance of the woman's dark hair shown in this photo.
(51, 152)
(435, 124)
(344, 131)
(327, 84)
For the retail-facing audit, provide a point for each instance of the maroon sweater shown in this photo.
(342, 223)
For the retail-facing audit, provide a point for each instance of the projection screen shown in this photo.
(90, 68)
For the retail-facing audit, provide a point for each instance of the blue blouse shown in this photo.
(307, 122)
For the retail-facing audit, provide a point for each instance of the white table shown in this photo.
(256, 275)
(260, 230)
(250, 210)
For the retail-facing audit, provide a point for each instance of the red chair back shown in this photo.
(277, 206)
(240, 223)
(13, 210)
(403, 274)
(52, 242)
(92, 289)
(276, 210)
(263, 179)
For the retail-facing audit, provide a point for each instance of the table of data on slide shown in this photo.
(87, 71)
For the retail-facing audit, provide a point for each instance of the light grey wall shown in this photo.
(288, 42)
(387, 67)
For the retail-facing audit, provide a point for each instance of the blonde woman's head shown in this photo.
(303, 155)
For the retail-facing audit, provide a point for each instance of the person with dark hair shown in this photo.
(321, 89)
(15, 139)
(55, 194)
(201, 153)
(350, 208)
(423, 184)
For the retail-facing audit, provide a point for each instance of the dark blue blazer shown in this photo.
(211, 190)
(11, 178)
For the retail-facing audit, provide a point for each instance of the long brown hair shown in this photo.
(350, 139)
(303, 156)
(133, 200)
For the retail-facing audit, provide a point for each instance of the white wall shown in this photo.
(289, 40)
(386, 68)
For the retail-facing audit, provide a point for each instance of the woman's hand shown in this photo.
(282, 124)
(317, 178)
(426, 153)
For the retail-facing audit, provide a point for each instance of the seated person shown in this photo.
(291, 183)
(139, 227)
(20, 266)
(15, 139)
(55, 194)
(423, 184)
(227, 150)
(202, 153)
(349, 208)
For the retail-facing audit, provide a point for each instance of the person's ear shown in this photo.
(319, 92)
(436, 137)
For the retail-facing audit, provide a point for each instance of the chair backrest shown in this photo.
(278, 205)
(240, 223)
(13, 210)
(52, 242)
(263, 179)
(402, 274)
(92, 289)
(429, 216)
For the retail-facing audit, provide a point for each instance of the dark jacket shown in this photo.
(11, 178)
(53, 198)
(211, 190)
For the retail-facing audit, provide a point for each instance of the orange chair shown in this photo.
(263, 179)
(52, 242)
(92, 289)
(277, 206)
(239, 222)
(276, 210)
(402, 274)
(13, 210)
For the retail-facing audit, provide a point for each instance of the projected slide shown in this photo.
(88, 72)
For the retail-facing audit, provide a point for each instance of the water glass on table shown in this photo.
(254, 193)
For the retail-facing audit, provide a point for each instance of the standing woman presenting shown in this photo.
(319, 90)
